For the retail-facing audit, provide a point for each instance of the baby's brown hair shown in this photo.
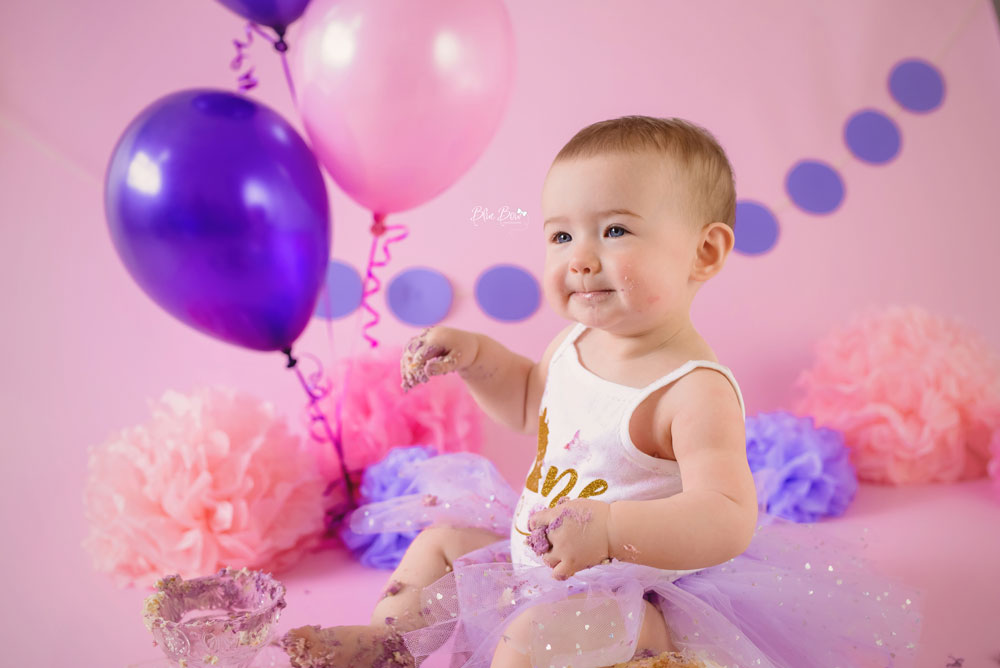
(696, 153)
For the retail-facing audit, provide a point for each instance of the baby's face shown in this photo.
(620, 243)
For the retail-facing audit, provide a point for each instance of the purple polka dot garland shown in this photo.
(420, 297)
(506, 292)
(815, 186)
(916, 85)
(756, 228)
(872, 137)
(341, 295)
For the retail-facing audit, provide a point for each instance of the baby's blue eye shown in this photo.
(622, 231)
(561, 237)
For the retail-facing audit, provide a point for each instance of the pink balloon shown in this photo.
(401, 97)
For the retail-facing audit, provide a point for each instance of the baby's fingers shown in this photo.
(411, 371)
(413, 360)
(540, 517)
(563, 569)
(439, 365)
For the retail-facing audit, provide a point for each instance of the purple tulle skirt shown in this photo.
(796, 598)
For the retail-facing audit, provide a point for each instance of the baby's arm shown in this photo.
(497, 379)
(507, 386)
(714, 518)
(708, 523)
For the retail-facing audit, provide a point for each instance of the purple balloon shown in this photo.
(218, 209)
(278, 14)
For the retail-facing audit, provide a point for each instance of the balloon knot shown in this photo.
(281, 45)
(291, 360)
(378, 227)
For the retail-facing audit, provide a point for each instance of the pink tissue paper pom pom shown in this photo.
(917, 396)
(377, 415)
(214, 479)
(993, 468)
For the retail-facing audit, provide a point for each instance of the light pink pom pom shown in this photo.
(916, 396)
(212, 480)
(993, 468)
(377, 415)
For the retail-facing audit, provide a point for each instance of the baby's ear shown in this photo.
(715, 241)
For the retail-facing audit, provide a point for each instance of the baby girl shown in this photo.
(636, 533)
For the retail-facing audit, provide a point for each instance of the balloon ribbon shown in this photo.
(378, 229)
(316, 391)
(248, 80)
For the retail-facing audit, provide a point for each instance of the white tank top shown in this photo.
(584, 445)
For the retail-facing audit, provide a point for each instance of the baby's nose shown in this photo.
(584, 264)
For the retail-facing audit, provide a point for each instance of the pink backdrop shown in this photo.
(775, 80)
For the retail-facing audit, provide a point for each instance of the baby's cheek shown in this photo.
(551, 290)
(628, 280)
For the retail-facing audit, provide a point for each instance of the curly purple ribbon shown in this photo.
(379, 228)
(247, 80)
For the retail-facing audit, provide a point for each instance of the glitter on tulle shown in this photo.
(802, 473)
(383, 481)
(457, 489)
(797, 597)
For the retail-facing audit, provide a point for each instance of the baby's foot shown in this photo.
(344, 646)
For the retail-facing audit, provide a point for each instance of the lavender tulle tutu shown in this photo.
(795, 599)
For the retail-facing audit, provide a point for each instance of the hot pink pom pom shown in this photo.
(377, 415)
(212, 480)
(916, 396)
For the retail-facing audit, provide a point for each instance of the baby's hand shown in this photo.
(435, 351)
(578, 533)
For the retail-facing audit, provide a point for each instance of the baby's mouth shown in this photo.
(592, 295)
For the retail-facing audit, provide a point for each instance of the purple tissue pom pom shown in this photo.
(802, 473)
(382, 481)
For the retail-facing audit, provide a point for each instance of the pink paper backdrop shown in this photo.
(774, 79)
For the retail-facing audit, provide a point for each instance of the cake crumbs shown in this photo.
(538, 539)
(394, 587)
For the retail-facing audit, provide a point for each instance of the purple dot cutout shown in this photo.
(756, 228)
(341, 295)
(815, 186)
(507, 293)
(419, 296)
(916, 85)
(872, 136)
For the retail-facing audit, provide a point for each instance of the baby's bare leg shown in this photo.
(515, 645)
(429, 557)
